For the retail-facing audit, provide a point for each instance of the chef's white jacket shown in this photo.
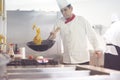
(112, 36)
(74, 36)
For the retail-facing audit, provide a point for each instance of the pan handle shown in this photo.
(53, 34)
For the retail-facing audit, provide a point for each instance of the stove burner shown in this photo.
(28, 62)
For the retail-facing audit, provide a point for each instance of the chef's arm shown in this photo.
(53, 34)
(95, 40)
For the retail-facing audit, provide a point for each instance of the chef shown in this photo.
(112, 35)
(74, 31)
(112, 38)
(4, 58)
(2, 42)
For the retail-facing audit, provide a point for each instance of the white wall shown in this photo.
(96, 11)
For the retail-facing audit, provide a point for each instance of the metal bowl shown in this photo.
(45, 45)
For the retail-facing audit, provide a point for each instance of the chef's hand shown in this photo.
(52, 36)
(98, 54)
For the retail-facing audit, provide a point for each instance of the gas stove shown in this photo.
(28, 62)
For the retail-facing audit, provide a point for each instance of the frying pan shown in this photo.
(45, 45)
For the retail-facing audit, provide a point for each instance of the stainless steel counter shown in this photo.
(64, 72)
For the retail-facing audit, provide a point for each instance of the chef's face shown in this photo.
(67, 12)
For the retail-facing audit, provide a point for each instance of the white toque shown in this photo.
(62, 3)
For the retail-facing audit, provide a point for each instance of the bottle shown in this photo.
(16, 51)
(11, 51)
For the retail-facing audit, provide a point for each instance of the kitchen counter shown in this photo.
(101, 69)
(64, 72)
(114, 74)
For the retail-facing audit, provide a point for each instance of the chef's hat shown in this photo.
(114, 18)
(62, 3)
